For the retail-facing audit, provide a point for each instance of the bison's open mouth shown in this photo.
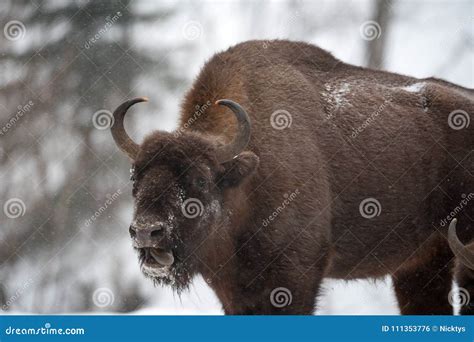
(157, 257)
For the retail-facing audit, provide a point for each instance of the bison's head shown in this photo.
(179, 182)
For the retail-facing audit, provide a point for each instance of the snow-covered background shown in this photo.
(62, 62)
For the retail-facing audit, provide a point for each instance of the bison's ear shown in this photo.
(237, 169)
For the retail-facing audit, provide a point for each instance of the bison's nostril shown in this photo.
(132, 231)
(156, 233)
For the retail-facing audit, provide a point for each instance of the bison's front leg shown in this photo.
(424, 288)
(274, 298)
(284, 287)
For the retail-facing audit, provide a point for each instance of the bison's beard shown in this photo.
(178, 275)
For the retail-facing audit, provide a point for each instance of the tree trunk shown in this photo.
(382, 15)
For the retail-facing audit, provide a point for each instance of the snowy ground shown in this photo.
(338, 298)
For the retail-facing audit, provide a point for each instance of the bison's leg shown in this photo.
(278, 296)
(296, 296)
(284, 287)
(291, 285)
(423, 289)
(465, 280)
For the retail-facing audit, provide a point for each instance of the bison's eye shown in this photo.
(201, 182)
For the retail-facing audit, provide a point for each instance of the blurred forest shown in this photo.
(65, 65)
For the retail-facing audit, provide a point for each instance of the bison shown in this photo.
(290, 166)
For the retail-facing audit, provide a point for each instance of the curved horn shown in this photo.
(463, 253)
(121, 138)
(241, 140)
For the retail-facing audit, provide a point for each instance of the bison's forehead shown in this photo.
(176, 149)
(164, 184)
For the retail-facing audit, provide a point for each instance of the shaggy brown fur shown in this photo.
(355, 134)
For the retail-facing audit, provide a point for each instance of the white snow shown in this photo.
(335, 95)
(340, 93)
(414, 88)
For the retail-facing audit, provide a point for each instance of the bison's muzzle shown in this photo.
(148, 240)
